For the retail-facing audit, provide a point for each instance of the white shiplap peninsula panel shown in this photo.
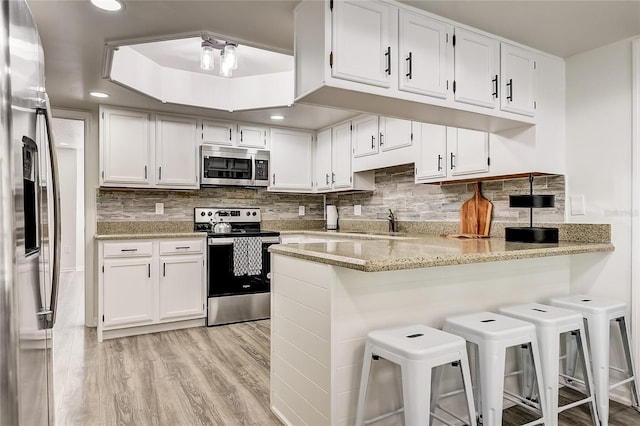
(359, 302)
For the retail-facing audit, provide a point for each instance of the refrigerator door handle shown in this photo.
(49, 312)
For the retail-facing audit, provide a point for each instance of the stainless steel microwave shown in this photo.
(233, 166)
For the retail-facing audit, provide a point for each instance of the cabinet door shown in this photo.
(361, 33)
(431, 140)
(468, 151)
(128, 292)
(394, 133)
(476, 65)
(423, 55)
(252, 137)
(176, 152)
(126, 148)
(323, 160)
(365, 135)
(181, 287)
(517, 71)
(342, 175)
(217, 132)
(291, 160)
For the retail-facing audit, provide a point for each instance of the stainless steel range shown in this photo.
(239, 272)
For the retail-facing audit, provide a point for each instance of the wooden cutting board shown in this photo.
(475, 214)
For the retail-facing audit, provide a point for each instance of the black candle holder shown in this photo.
(531, 234)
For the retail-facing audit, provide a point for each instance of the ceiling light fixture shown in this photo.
(277, 117)
(108, 5)
(228, 55)
(99, 94)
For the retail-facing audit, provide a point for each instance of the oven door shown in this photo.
(219, 167)
(222, 280)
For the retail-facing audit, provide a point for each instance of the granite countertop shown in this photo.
(372, 252)
(149, 235)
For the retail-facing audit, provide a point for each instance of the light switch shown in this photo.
(577, 205)
(357, 210)
(159, 208)
(300, 210)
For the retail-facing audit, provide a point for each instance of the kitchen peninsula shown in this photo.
(326, 296)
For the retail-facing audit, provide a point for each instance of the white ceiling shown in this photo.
(184, 54)
(74, 33)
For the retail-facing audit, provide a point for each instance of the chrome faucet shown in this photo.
(392, 221)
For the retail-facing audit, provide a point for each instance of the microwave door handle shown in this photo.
(50, 312)
(253, 170)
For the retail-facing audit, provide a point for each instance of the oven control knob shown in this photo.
(210, 214)
(254, 213)
(248, 213)
(201, 213)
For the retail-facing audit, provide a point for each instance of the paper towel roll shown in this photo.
(332, 217)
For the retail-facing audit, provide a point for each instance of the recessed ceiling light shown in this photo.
(99, 95)
(277, 117)
(109, 5)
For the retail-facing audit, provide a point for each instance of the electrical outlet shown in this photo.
(300, 210)
(357, 210)
(577, 205)
(159, 208)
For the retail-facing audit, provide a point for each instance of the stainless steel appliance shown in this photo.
(239, 264)
(29, 224)
(233, 166)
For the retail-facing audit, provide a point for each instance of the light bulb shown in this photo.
(206, 56)
(225, 67)
(231, 55)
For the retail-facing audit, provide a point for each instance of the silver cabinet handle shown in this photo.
(439, 162)
(373, 141)
(381, 140)
(183, 247)
(274, 179)
(164, 269)
(326, 178)
(333, 177)
(50, 315)
(130, 250)
(149, 270)
(145, 172)
(452, 164)
(160, 173)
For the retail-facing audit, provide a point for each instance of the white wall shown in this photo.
(69, 135)
(598, 152)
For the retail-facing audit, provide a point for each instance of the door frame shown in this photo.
(90, 184)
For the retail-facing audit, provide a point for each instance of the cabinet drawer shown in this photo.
(127, 249)
(178, 247)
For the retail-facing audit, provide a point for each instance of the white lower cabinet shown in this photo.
(181, 293)
(150, 285)
(449, 153)
(127, 291)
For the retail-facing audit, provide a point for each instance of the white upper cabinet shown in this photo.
(126, 154)
(362, 41)
(431, 140)
(342, 177)
(252, 136)
(517, 71)
(365, 135)
(394, 133)
(423, 55)
(291, 160)
(218, 132)
(448, 153)
(476, 66)
(323, 158)
(468, 151)
(176, 152)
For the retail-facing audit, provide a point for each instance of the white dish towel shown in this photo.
(247, 256)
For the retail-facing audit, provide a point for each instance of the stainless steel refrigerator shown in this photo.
(29, 224)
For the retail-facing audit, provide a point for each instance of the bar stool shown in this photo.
(493, 334)
(551, 322)
(598, 313)
(417, 349)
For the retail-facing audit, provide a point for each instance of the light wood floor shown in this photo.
(199, 376)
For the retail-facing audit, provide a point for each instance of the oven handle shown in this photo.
(220, 241)
(271, 240)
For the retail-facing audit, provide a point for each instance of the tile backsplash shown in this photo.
(395, 189)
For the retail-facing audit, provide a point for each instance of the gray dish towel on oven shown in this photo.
(247, 256)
